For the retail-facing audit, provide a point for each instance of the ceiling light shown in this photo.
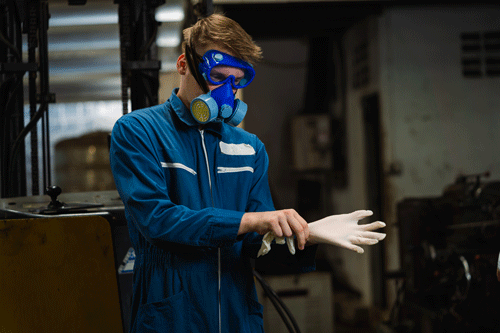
(85, 19)
(169, 14)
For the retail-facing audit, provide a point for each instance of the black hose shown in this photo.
(15, 148)
(282, 309)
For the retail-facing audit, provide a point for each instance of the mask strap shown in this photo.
(192, 61)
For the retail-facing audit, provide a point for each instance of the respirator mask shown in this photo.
(219, 68)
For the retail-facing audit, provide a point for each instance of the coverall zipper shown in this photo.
(218, 249)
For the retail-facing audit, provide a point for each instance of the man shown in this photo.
(196, 194)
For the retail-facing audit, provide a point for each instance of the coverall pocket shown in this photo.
(254, 307)
(255, 311)
(168, 315)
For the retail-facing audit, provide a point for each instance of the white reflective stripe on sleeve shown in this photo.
(230, 170)
(179, 166)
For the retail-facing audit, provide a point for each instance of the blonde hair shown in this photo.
(225, 32)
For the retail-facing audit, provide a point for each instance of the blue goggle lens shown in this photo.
(218, 68)
(238, 77)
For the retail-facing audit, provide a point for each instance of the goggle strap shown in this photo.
(190, 52)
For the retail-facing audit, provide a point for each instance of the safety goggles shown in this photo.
(219, 68)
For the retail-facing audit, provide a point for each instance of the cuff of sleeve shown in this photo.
(224, 226)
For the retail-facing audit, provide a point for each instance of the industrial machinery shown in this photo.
(139, 73)
(66, 251)
(449, 247)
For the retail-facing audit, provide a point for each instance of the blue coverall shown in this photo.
(185, 190)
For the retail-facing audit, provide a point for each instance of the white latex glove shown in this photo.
(268, 239)
(343, 230)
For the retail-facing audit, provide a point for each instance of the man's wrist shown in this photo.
(244, 224)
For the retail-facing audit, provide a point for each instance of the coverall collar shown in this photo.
(187, 118)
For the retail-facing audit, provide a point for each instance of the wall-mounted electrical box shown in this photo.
(312, 142)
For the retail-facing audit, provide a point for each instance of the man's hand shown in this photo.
(282, 223)
(343, 230)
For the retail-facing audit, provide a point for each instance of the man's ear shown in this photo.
(182, 64)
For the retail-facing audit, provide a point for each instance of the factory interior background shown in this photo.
(382, 105)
